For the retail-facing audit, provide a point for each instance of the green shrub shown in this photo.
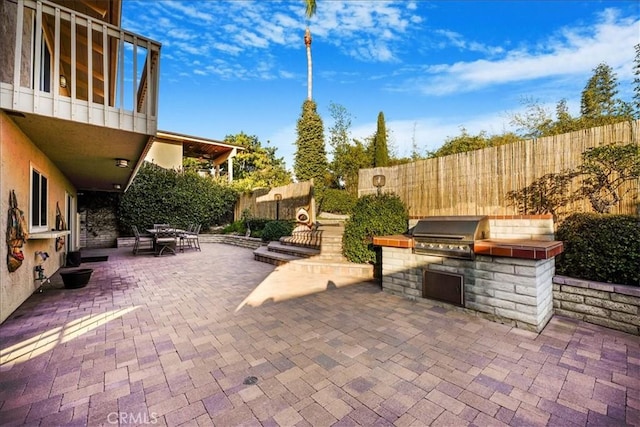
(274, 230)
(160, 195)
(238, 227)
(602, 248)
(337, 201)
(373, 215)
(256, 225)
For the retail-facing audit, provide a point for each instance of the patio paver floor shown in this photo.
(166, 341)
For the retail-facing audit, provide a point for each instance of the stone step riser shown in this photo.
(292, 252)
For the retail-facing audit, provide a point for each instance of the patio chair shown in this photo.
(156, 226)
(190, 238)
(143, 241)
(165, 239)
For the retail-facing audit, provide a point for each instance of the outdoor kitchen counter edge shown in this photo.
(510, 248)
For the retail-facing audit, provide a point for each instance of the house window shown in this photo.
(39, 197)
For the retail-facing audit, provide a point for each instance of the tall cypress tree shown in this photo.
(598, 97)
(311, 158)
(380, 149)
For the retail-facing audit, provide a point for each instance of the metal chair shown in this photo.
(165, 239)
(141, 240)
(191, 237)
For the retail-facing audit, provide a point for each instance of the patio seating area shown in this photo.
(175, 343)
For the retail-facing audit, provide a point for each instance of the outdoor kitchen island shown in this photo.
(507, 278)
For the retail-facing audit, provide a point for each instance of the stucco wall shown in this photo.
(165, 155)
(17, 154)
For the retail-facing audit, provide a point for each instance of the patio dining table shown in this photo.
(178, 234)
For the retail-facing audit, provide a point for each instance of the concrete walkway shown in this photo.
(216, 338)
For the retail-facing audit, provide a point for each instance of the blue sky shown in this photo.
(430, 66)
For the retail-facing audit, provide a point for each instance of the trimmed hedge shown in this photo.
(274, 230)
(337, 201)
(600, 247)
(159, 195)
(373, 215)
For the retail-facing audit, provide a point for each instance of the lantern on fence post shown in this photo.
(278, 197)
(378, 182)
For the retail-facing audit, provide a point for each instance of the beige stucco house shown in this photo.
(78, 111)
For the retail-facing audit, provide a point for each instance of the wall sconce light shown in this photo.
(122, 163)
(378, 182)
(117, 186)
(63, 81)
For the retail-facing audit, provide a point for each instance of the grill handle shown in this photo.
(442, 236)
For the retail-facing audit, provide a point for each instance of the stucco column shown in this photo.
(230, 163)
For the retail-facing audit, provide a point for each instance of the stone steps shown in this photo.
(316, 251)
(294, 250)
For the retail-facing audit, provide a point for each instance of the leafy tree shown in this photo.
(310, 161)
(339, 141)
(598, 96)
(349, 156)
(379, 146)
(415, 151)
(462, 143)
(351, 159)
(257, 166)
(534, 122)
(599, 105)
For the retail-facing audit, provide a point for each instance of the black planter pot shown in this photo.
(74, 279)
(74, 259)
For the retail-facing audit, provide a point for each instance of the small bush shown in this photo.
(337, 201)
(238, 227)
(602, 248)
(274, 230)
(256, 225)
(373, 215)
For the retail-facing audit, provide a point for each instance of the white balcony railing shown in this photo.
(59, 63)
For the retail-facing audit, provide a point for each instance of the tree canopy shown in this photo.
(379, 146)
(257, 166)
(310, 161)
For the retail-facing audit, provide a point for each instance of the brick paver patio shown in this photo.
(167, 341)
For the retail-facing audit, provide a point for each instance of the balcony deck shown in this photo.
(77, 68)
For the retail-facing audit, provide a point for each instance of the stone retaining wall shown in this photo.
(229, 239)
(605, 304)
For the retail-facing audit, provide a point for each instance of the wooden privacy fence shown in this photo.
(477, 182)
(263, 203)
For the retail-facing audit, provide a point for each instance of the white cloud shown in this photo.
(573, 51)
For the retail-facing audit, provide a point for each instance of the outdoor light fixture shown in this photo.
(116, 186)
(278, 197)
(122, 163)
(378, 182)
(63, 81)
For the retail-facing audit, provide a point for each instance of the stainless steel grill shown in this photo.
(449, 236)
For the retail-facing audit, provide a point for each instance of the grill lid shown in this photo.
(457, 228)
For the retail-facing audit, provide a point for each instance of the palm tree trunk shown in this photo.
(307, 42)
